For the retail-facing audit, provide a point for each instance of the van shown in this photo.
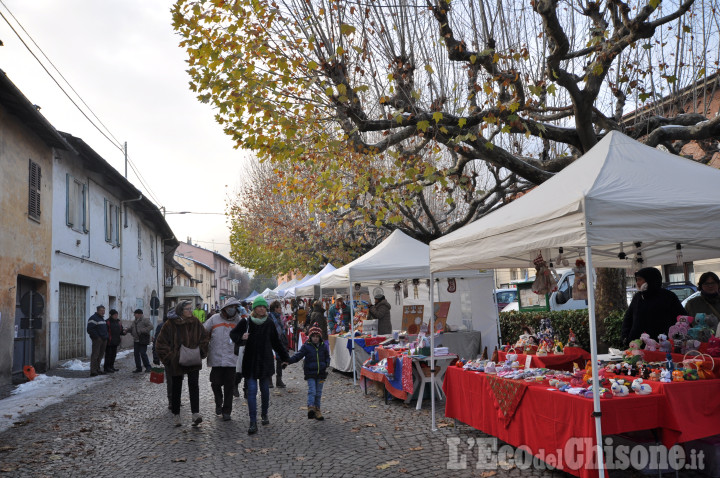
(562, 298)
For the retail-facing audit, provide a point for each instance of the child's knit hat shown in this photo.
(315, 330)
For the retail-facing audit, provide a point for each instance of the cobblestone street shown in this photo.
(121, 427)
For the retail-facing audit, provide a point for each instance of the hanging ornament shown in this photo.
(397, 287)
(357, 287)
(560, 259)
(406, 294)
(416, 283)
(452, 287)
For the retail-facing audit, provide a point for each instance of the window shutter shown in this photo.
(86, 209)
(68, 219)
(34, 190)
(107, 221)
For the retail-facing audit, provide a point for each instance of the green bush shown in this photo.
(511, 324)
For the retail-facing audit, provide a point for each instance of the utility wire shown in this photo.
(114, 141)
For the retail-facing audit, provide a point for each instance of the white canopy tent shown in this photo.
(282, 288)
(307, 289)
(290, 291)
(269, 294)
(620, 205)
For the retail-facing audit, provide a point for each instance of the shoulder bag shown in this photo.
(189, 357)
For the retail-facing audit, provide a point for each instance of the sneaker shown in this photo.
(196, 419)
(176, 420)
(137, 370)
(318, 414)
(253, 428)
(226, 417)
(218, 410)
(280, 384)
(265, 420)
(169, 406)
(236, 392)
(311, 412)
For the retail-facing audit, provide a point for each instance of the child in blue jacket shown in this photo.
(317, 360)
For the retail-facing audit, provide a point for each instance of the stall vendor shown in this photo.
(339, 315)
(708, 302)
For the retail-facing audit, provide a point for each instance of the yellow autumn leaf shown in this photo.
(387, 465)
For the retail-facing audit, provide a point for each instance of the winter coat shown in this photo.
(221, 350)
(652, 311)
(115, 331)
(279, 327)
(97, 327)
(156, 358)
(177, 331)
(258, 361)
(140, 330)
(317, 359)
(344, 313)
(702, 304)
(318, 317)
(381, 312)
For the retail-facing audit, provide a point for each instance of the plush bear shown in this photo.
(689, 345)
(665, 376)
(679, 331)
(665, 345)
(650, 344)
(618, 388)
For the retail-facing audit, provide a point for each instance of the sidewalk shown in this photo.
(121, 427)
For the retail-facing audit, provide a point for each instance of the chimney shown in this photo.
(189, 241)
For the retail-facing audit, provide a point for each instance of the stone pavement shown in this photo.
(122, 427)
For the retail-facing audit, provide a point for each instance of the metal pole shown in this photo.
(593, 357)
(432, 352)
(352, 329)
(126, 159)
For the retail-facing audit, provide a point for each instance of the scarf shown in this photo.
(258, 320)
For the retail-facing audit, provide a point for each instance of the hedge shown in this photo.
(511, 324)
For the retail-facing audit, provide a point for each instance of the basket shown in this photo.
(157, 375)
(700, 363)
(531, 349)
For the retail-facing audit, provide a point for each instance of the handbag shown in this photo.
(189, 357)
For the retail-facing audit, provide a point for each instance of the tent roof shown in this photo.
(619, 193)
(399, 256)
(308, 287)
(252, 295)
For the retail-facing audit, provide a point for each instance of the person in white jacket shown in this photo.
(222, 357)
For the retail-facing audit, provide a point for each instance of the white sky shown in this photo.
(123, 58)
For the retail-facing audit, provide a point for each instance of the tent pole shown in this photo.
(352, 329)
(593, 357)
(432, 352)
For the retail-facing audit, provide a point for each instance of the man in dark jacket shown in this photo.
(140, 330)
(98, 332)
(115, 333)
(317, 318)
(339, 315)
(652, 309)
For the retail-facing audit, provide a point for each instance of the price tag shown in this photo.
(528, 361)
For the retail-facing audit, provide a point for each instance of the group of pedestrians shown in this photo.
(106, 336)
(253, 345)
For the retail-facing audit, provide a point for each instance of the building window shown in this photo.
(34, 190)
(152, 251)
(139, 242)
(112, 223)
(76, 204)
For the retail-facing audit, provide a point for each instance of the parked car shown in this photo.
(681, 289)
(691, 296)
(505, 296)
(562, 298)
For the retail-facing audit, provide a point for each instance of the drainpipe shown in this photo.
(125, 225)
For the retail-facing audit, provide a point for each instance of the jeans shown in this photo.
(315, 387)
(98, 352)
(193, 389)
(140, 351)
(222, 382)
(252, 384)
(110, 354)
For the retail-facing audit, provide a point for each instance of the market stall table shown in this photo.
(559, 428)
(564, 361)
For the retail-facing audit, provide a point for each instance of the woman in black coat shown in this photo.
(653, 310)
(261, 338)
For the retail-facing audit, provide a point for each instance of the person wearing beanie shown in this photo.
(652, 309)
(222, 357)
(381, 312)
(187, 331)
(140, 331)
(708, 302)
(317, 360)
(258, 367)
(277, 318)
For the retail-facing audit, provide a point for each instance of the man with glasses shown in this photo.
(708, 302)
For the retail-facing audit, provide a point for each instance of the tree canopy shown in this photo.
(424, 116)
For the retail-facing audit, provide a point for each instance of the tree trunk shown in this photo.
(610, 296)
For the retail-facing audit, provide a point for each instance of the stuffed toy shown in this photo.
(689, 345)
(580, 287)
(714, 347)
(700, 329)
(665, 376)
(677, 376)
(544, 280)
(650, 344)
(618, 388)
(665, 345)
(679, 331)
(641, 388)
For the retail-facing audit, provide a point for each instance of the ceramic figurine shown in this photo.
(677, 376)
(641, 388)
(542, 350)
(572, 340)
(490, 368)
(655, 375)
(558, 348)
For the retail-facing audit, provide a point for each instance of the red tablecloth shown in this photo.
(651, 356)
(559, 427)
(555, 362)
